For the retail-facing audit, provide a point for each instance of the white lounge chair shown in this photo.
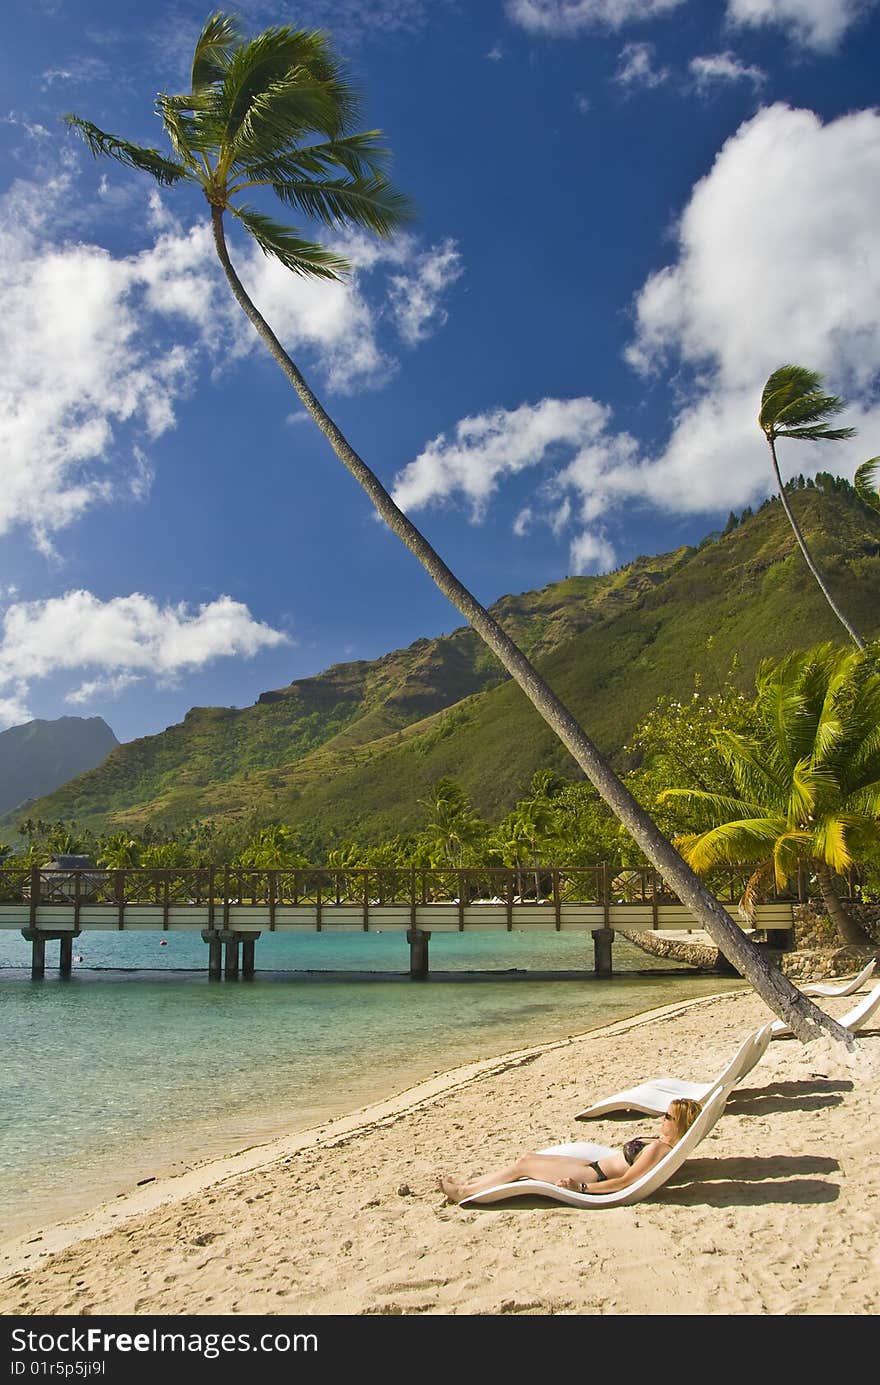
(853, 1020)
(841, 988)
(653, 1097)
(643, 1187)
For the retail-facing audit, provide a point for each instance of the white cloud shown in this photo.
(636, 67)
(14, 711)
(487, 447)
(415, 297)
(591, 553)
(98, 351)
(102, 688)
(495, 53)
(816, 24)
(565, 18)
(583, 104)
(723, 67)
(777, 254)
(125, 639)
(777, 260)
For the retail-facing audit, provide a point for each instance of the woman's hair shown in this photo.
(686, 1112)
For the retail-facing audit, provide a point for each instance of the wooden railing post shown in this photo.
(35, 895)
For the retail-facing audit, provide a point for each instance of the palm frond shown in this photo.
(358, 154)
(756, 887)
(131, 155)
(276, 118)
(749, 839)
(281, 57)
(866, 482)
(809, 407)
(794, 406)
(717, 805)
(831, 844)
(369, 202)
(185, 130)
(282, 243)
(784, 385)
(818, 434)
(213, 49)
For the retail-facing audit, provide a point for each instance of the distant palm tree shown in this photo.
(277, 113)
(794, 406)
(807, 785)
(866, 482)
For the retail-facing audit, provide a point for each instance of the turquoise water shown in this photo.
(138, 1065)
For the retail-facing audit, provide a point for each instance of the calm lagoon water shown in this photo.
(138, 1065)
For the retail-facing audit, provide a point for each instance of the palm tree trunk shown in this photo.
(848, 930)
(804, 1018)
(808, 559)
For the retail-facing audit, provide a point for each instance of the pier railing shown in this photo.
(223, 886)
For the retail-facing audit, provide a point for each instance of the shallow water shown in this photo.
(120, 1075)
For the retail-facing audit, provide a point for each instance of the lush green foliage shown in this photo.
(802, 787)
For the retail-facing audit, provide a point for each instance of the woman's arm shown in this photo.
(649, 1156)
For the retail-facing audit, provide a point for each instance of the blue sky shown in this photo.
(629, 213)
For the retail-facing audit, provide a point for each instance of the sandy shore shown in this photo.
(776, 1213)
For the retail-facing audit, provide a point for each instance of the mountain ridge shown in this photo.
(350, 751)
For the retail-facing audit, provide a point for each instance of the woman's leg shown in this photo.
(550, 1168)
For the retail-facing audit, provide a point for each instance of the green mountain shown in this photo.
(350, 752)
(39, 755)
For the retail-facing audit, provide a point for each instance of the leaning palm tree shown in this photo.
(277, 113)
(793, 405)
(807, 785)
(867, 483)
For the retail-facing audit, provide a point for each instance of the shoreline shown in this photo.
(169, 1188)
(345, 1217)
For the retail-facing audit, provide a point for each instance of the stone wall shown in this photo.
(818, 954)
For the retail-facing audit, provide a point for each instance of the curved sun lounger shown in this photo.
(843, 988)
(654, 1096)
(643, 1187)
(853, 1020)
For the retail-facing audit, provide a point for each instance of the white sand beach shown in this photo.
(776, 1213)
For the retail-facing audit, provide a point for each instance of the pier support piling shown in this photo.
(230, 967)
(418, 939)
(65, 958)
(248, 946)
(602, 941)
(215, 953)
(228, 938)
(38, 957)
(39, 937)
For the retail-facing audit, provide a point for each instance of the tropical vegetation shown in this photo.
(802, 786)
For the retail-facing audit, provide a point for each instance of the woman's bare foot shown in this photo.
(452, 1190)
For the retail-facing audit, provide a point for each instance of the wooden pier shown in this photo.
(231, 907)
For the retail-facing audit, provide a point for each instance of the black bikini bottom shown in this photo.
(601, 1177)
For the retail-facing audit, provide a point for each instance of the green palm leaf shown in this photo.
(370, 202)
(213, 50)
(131, 155)
(281, 242)
(866, 483)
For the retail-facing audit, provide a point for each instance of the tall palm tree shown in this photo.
(276, 112)
(807, 785)
(793, 405)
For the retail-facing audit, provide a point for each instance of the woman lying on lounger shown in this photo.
(616, 1170)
